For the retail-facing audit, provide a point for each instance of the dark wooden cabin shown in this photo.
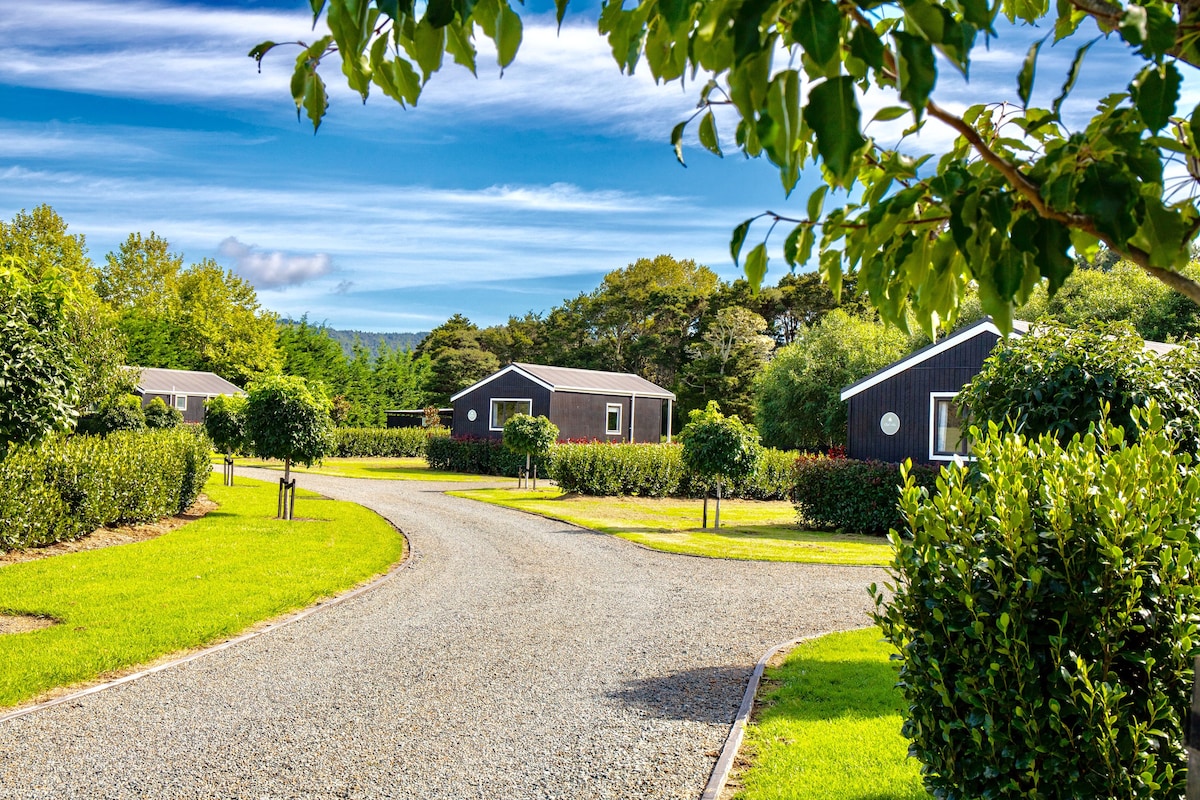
(583, 403)
(183, 389)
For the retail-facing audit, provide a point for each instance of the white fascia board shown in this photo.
(953, 340)
(495, 375)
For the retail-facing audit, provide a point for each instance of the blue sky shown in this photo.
(496, 196)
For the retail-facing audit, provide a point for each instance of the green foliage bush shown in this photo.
(720, 450)
(384, 442)
(849, 495)
(123, 413)
(1056, 380)
(475, 455)
(528, 435)
(287, 418)
(656, 470)
(158, 414)
(225, 422)
(1047, 615)
(68, 487)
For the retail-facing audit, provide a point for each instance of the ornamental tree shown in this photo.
(1005, 205)
(719, 449)
(225, 424)
(287, 418)
(531, 436)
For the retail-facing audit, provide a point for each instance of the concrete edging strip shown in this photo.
(245, 637)
(733, 743)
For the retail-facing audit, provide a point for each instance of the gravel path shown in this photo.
(516, 657)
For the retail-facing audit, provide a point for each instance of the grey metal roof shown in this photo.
(594, 381)
(182, 381)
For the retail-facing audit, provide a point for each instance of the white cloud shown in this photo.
(276, 269)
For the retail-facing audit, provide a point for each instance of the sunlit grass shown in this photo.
(750, 529)
(828, 727)
(397, 469)
(209, 580)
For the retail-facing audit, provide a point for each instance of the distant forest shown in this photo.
(370, 339)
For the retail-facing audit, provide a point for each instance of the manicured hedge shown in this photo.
(854, 496)
(656, 470)
(68, 487)
(383, 442)
(475, 455)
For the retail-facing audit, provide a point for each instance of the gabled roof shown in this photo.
(985, 325)
(584, 381)
(152, 380)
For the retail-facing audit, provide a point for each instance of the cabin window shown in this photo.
(181, 402)
(948, 431)
(504, 408)
(612, 419)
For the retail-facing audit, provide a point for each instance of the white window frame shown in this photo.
(183, 398)
(608, 408)
(492, 409)
(934, 455)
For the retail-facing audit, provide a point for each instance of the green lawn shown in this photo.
(750, 530)
(398, 469)
(207, 581)
(828, 727)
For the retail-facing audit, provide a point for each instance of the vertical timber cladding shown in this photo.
(510, 385)
(907, 395)
(581, 415)
(648, 421)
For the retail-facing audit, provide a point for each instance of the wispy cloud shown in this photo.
(274, 269)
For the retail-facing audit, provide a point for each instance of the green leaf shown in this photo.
(1053, 242)
(315, 100)
(817, 28)
(508, 35)
(832, 113)
(708, 134)
(978, 14)
(460, 46)
(739, 238)
(1194, 127)
(779, 126)
(429, 43)
(677, 142)
(1108, 197)
(756, 265)
(439, 13)
(560, 11)
(797, 248)
(260, 50)
(918, 71)
(889, 113)
(317, 6)
(1072, 76)
(1155, 92)
(1028, 67)
(1163, 234)
(866, 46)
(673, 12)
(816, 202)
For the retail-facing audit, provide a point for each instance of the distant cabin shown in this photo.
(183, 389)
(415, 417)
(907, 409)
(583, 403)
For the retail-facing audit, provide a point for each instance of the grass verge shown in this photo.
(396, 469)
(828, 726)
(751, 530)
(207, 581)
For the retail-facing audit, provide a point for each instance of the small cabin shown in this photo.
(182, 389)
(415, 417)
(907, 409)
(585, 404)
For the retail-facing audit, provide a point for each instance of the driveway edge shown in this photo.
(244, 637)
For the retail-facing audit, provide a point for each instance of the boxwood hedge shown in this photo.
(383, 442)
(68, 487)
(845, 494)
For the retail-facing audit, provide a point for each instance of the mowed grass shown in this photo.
(209, 580)
(828, 727)
(396, 469)
(751, 530)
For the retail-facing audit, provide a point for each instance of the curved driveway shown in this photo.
(516, 657)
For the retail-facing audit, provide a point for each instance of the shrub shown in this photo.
(474, 455)
(287, 418)
(225, 422)
(158, 415)
(1056, 380)
(123, 413)
(1046, 618)
(850, 495)
(383, 442)
(68, 487)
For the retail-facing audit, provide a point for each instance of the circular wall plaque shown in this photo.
(889, 423)
(471, 415)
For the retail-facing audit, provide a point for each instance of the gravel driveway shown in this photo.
(516, 657)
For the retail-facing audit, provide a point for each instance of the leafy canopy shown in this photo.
(530, 436)
(1005, 205)
(720, 449)
(225, 422)
(288, 419)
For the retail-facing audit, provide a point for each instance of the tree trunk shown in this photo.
(704, 519)
(717, 518)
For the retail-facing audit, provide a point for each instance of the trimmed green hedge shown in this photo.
(656, 470)
(383, 442)
(68, 487)
(854, 496)
(476, 456)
